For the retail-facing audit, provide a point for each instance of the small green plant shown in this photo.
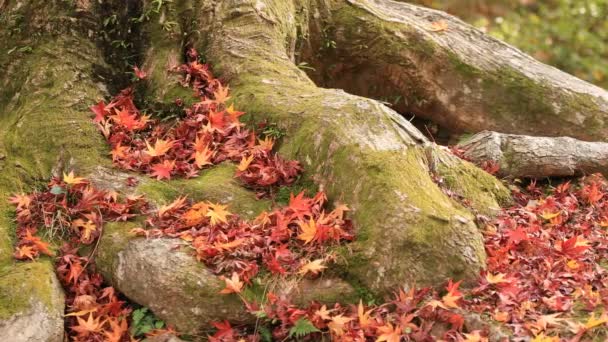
(273, 131)
(301, 328)
(144, 321)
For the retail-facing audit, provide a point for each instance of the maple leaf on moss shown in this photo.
(233, 284)
(25, 252)
(100, 111)
(313, 267)
(177, 204)
(221, 94)
(71, 179)
(266, 144)
(204, 157)
(22, 201)
(245, 162)
(234, 115)
(163, 170)
(40, 245)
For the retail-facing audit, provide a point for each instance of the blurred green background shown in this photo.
(571, 35)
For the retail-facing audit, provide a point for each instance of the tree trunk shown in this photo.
(451, 73)
(360, 151)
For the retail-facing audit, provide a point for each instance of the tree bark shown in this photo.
(457, 77)
(537, 157)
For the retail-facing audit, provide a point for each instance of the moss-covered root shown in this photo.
(360, 151)
(166, 30)
(163, 275)
(48, 82)
(457, 77)
(31, 303)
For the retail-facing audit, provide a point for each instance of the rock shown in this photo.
(177, 288)
(31, 303)
(162, 275)
(163, 338)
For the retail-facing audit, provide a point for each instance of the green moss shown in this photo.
(510, 96)
(24, 282)
(485, 193)
(216, 184)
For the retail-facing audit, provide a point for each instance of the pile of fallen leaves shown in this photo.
(71, 209)
(546, 261)
(545, 280)
(288, 240)
(209, 133)
(416, 314)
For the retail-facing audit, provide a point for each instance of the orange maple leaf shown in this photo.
(244, 164)
(451, 298)
(178, 203)
(221, 94)
(364, 320)
(233, 284)
(313, 267)
(389, 333)
(337, 324)
(309, 230)
(22, 201)
(202, 158)
(85, 328)
(25, 252)
(160, 147)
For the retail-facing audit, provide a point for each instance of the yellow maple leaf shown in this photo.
(309, 230)
(495, 279)
(266, 144)
(88, 227)
(71, 179)
(217, 213)
(593, 322)
(548, 216)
